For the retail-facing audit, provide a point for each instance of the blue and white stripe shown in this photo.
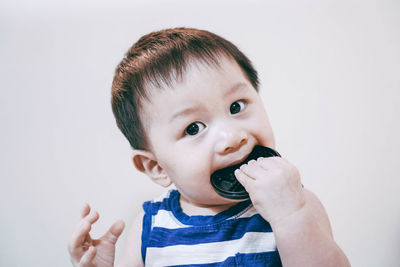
(238, 236)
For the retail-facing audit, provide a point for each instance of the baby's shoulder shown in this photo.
(162, 202)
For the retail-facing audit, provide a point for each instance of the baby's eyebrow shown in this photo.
(183, 112)
(235, 88)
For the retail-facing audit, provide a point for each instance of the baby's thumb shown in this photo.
(114, 232)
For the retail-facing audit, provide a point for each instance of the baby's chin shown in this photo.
(221, 201)
(215, 200)
(209, 199)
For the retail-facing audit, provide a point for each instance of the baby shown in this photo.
(187, 100)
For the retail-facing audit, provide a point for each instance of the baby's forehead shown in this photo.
(178, 74)
(193, 71)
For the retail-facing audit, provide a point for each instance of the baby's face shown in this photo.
(210, 120)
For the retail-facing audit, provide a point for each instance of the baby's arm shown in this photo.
(133, 255)
(306, 237)
(301, 226)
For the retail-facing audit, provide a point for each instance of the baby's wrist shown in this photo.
(281, 217)
(301, 215)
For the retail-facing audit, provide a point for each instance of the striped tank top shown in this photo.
(238, 236)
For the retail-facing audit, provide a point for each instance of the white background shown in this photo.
(330, 73)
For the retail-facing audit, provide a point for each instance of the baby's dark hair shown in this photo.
(158, 59)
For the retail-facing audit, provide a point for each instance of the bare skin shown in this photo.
(88, 252)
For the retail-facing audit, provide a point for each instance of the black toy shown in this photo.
(225, 182)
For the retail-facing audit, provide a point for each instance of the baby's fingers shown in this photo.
(85, 210)
(91, 217)
(81, 231)
(87, 258)
(244, 179)
(114, 232)
(79, 235)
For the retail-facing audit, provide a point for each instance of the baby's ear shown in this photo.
(147, 163)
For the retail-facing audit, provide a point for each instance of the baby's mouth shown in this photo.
(225, 182)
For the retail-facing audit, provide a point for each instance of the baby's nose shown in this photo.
(230, 140)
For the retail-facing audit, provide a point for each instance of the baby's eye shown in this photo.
(194, 128)
(237, 106)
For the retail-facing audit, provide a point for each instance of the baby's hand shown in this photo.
(87, 252)
(274, 187)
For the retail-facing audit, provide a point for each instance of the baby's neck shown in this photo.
(192, 209)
